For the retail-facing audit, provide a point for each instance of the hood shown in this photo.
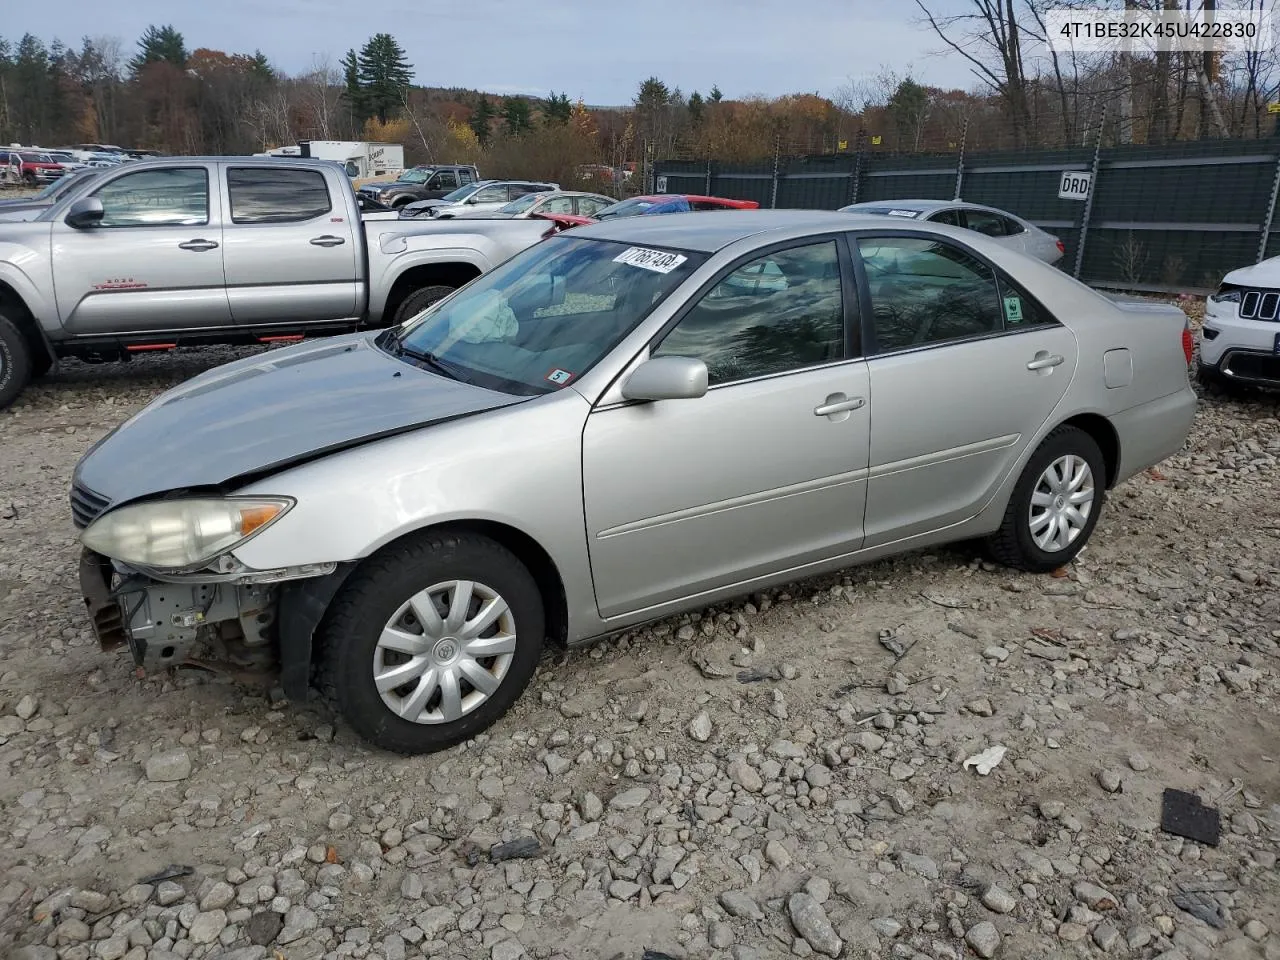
(22, 212)
(1264, 274)
(266, 412)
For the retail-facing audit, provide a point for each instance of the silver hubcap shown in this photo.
(1061, 503)
(444, 652)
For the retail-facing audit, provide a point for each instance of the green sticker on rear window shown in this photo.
(1013, 309)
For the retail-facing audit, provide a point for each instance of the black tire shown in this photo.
(419, 300)
(1209, 376)
(16, 362)
(372, 596)
(1013, 545)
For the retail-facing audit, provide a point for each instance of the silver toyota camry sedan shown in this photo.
(627, 420)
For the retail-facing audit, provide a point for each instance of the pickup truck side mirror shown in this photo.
(85, 212)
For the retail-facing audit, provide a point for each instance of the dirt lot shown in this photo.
(760, 780)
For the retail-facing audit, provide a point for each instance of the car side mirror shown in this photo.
(85, 212)
(667, 378)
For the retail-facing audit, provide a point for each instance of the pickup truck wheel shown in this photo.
(1055, 504)
(432, 641)
(419, 300)
(15, 362)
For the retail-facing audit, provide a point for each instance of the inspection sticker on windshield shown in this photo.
(559, 377)
(659, 261)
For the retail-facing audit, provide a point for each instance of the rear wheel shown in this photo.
(16, 362)
(419, 300)
(432, 642)
(1055, 504)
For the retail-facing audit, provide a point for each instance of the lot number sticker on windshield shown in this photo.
(559, 377)
(659, 261)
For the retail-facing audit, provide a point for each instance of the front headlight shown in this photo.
(181, 534)
(1226, 294)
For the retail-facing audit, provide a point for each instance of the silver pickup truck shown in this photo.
(186, 251)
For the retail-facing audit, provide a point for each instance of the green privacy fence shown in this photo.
(1169, 218)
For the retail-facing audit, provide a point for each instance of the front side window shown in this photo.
(259, 195)
(780, 312)
(538, 322)
(925, 291)
(445, 180)
(521, 205)
(492, 195)
(555, 204)
(156, 198)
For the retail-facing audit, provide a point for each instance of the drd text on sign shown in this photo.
(1075, 185)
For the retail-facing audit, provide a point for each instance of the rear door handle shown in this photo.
(1042, 362)
(327, 241)
(838, 403)
(198, 245)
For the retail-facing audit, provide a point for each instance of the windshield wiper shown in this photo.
(397, 348)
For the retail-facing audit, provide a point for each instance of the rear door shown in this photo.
(291, 253)
(154, 261)
(965, 368)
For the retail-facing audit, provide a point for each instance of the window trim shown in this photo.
(209, 181)
(850, 317)
(1003, 280)
(231, 215)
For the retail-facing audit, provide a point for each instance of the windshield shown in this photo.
(35, 158)
(545, 317)
(462, 193)
(523, 204)
(416, 176)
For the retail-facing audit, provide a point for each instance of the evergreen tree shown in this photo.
(385, 75)
(481, 117)
(557, 110)
(352, 92)
(696, 106)
(715, 96)
(160, 44)
(516, 114)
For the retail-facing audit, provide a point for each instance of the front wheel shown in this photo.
(1055, 504)
(431, 642)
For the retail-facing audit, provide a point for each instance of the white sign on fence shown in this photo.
(660, 186)
(1075, 185)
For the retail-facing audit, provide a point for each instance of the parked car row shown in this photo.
(35, 165)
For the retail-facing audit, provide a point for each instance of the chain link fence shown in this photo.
(1171, 218)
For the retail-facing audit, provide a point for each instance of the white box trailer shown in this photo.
(362, 159)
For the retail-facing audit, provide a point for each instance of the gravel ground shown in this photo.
(762, 779)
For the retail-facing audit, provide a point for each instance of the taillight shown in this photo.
(1062, 247)
(1188, 343)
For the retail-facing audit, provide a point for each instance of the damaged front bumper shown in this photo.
(246, 619)
(164, 623)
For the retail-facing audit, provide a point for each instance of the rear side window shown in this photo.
(261, 195)
(990, 224)
(949, 217)
(1012, 227)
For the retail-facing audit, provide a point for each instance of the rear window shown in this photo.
(261, 195)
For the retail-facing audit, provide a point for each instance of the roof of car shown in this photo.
(920, 205)
(709, 231)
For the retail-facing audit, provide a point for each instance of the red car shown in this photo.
(30, 166)
(661, 203)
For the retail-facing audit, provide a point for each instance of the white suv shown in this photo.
(1240, 340)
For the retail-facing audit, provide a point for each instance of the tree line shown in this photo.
(165, 95)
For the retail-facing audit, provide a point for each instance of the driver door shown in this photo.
(766, 471)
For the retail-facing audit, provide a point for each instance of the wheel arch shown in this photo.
(448, 273)
(1104, 434)
(15, 307)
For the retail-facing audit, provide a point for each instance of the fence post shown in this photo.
(1271, 206)
(773, 199)
(856, 175)
(707, 191)
(964, 136)
(1093, 189)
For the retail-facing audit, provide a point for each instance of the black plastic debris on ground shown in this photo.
(522, 848)
(172, 872)
(1183, 815)
(1202, 906)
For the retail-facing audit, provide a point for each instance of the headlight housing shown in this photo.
(182, 534)
(1226, 294)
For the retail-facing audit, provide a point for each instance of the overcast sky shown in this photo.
(592, 49)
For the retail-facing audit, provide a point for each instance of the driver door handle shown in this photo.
(198, 245)
(328, 241)
(838, 406)
(1042, 362)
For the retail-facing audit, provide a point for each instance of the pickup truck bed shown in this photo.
(197, 250)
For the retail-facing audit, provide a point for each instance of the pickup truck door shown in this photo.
(292, 253)
(154, 261)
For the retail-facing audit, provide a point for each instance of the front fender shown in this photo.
(396, 254)
(29, 274)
